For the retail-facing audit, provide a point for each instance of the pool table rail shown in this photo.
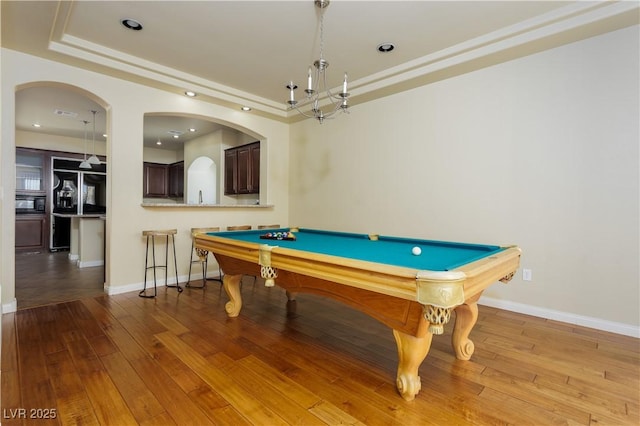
(391, 280)
(445, 289)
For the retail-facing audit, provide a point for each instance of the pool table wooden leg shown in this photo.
(231, 285)
(412, 351)
(466, 317)
(291, 297)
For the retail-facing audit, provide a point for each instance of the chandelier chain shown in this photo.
(321, 34)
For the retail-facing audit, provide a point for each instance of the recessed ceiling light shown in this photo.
(36, 125)
(190, 93)
(246, 108)
(385, 47)
(158, 143)
(131, 24)
(192, 130)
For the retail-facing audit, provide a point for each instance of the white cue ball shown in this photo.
(416, 251)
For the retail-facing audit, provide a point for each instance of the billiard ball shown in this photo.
(416, 251)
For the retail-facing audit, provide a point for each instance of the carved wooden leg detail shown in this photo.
(232, 287)
(411, 352)
(466, 317)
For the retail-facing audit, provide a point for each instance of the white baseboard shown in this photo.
(597, 323)
(90, 263)
(111, 290)
(12, 306)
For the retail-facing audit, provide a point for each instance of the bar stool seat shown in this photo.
(202, 257)
(169, 238)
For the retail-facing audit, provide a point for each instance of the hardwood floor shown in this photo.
(178, 359)
(43, 278)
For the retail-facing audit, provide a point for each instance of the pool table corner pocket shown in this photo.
(439, 292)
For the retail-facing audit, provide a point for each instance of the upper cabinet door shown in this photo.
(29, 171)
(255, 169)
(176, 179)
(155, 180)
(242, 169)
(230, 172)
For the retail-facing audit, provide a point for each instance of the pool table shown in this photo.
(379, 275)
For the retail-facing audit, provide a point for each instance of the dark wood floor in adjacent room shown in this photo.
(178, 359)
(43, 278)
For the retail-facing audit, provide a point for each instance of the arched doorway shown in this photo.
(201, 181)
(59, 125)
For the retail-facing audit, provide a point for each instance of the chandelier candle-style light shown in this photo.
(319, 86)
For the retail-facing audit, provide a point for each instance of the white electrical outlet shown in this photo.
(526, 275)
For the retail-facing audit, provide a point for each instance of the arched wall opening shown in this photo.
(196, 143)
(63, 133)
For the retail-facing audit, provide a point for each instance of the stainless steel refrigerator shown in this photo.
(75, 192)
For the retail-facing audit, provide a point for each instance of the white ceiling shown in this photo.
(244, 52)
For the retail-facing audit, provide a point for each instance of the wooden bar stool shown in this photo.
(202, 256)
(169, 237)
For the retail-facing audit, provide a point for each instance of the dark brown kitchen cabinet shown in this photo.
(230, 172)
(31, 232)
(176, 179)
(163, 180)
(156, 182)
(255, 169)
(242, 169)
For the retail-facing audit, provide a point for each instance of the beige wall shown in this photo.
(37, 140)
(126, 103)
(541, 152)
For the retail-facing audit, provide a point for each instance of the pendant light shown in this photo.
(94, 159)
(85, 164)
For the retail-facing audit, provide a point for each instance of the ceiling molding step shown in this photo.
(63, 43)
(181, 81)
(564, 20)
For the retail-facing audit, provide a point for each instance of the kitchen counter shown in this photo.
(81, 216)
(87, 238)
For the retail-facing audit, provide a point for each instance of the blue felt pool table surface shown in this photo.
(397, 251)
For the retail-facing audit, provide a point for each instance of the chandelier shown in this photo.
(317, 83)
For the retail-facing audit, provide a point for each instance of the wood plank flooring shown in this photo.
(43, 278)
(178, 359)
